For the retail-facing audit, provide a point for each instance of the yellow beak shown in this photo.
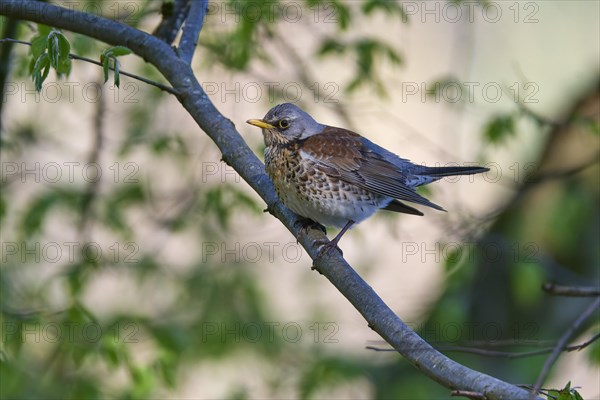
(260, 123)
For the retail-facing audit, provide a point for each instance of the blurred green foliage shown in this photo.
(65, 346)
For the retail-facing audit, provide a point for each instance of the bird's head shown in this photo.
(285, 123)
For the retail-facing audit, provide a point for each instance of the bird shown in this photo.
(336, 177)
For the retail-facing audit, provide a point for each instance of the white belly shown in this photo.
(330, 211)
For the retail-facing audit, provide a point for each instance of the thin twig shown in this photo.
(541, 120)
(89, 60)
(93, 187)
(191, 30)
(561, 344)
(544, 391)
(571, 291)
(236, 153)
(10, 29)
(503, 354)
(565, 173)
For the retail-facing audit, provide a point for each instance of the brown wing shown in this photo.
(343, 154)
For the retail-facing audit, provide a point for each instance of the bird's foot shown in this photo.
(306, 224)
(333, 244)
(327, 247)
(324, 248)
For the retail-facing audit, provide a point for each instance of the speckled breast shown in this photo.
(311, 193)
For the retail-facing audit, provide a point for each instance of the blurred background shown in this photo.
(135, 264)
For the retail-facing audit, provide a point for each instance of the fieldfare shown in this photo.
(336, 177)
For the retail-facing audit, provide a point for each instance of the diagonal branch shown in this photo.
(191, 30)
(503, 354)
(10, 28)
(562, 343)
(237, 154)
(172, 21)
(571, 291)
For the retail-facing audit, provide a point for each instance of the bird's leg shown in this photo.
(333, 243)
(305, 224)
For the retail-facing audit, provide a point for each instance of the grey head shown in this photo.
(292, 122)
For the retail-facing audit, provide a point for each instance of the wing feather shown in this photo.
(351, 158)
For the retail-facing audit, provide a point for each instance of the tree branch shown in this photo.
(561, 344)
(171, 23)
(468, 394)
(571, 291)
(89, 60)
(504, 354)
(191, 30)
(237, 154)
(10, 29)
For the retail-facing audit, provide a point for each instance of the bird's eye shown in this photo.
(284, 123)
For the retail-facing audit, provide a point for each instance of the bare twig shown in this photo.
(236, 153)
(541, 120)
(191, 30)
(564, 173)
(561, 344)
(89, 60)
(502, 354)
(93, 186)
(571, 291)
(10, 28)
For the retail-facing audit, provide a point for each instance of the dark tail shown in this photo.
(398, 206)
(440, 172)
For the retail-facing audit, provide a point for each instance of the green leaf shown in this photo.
(143, 381)
(37, 211)
(118, 51)
(526, 278)
(113, 53)
(342, 14)
(327, 373)
(59, 51)
(64, 67)
(53, 48)
(64, 47)
(118, 201)
(331, 46)
(566, 393)
(500, 128)
(594, 352)
(39, 44)
(40, 71)
(44, 30)
(386, 6)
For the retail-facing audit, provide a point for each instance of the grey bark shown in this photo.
(236, 153)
